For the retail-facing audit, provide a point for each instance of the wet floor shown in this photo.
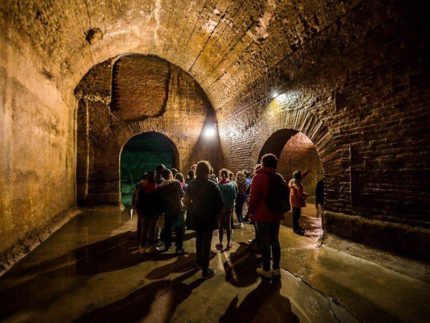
(90, 270)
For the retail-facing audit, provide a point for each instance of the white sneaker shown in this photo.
(276, 272)
(263, 273)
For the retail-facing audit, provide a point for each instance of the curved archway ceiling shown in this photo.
(228, 46)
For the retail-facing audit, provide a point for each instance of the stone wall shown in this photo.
(37, 148)
(149, 94)
(359, 91)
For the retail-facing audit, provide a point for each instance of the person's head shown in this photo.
(167, 174)
(240, 175)
(159, 169)
(297, 175)
(174, 172)
(191, 174)
(150, 177)
(179, 177)
(270, 161)
(224, 174)
(202, 169)
(257, 167)
(194, 167)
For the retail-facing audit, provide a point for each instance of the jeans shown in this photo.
(225, 223)
(203, 247)
(148, 229)
(239, 207)
(296, 216)
(176, 221)
(268, 234)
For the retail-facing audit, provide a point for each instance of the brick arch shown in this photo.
(174, 105)
(328, 151)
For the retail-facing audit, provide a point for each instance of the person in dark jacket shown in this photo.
(319, 198)
(171, 194)
(267, 222)
(204, 202)
(148, 206)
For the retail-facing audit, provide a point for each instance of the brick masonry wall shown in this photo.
(149, 94)
(359, 91)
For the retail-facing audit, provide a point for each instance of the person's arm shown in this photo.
(254, 194)
(181, 191)
(305, 173)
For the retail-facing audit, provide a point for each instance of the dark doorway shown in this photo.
(143, 153)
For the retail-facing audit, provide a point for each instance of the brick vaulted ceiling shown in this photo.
(228, 46)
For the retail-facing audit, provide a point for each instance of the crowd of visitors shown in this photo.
(166, 201)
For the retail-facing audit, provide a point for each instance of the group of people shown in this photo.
(164, 201)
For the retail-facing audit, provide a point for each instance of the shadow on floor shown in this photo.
(241, 268)
(136, 306)
(263, 304)
(42, 281)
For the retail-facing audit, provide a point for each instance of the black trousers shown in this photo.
(203, 247)
(297, 212)
(176, 221)
(268, 235)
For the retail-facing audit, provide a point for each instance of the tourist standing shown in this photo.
(319, 198)
(180, 178)
(241, 195)
(171, 196)
(134, 205)
(266, 210)
(228, 194)
(160, 221)
(149, 208)
(204, 202)
(297, 199)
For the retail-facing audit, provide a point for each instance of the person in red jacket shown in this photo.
(267, 222)
(297, 199)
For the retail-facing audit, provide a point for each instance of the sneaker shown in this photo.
(219, 246)
(141, 250)
(208, 273)
(276, 272)
(263, 273)
(180, 251)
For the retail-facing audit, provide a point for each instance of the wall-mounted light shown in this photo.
(209, 131)
(281, 98)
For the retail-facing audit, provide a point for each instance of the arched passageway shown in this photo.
(143, 153)
(295, 151)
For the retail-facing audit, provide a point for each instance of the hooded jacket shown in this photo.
(257, 206)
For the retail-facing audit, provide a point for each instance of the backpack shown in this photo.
(278, 194)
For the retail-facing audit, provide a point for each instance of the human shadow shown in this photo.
(180, 265)
(263, 304)
(241, 269)
(136, 306)
(74, 268)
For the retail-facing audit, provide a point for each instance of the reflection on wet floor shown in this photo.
(90, 270)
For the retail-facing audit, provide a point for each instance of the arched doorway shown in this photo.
(143, 153)
(297, 152)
